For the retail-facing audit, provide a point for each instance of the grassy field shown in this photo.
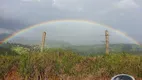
(57, 64)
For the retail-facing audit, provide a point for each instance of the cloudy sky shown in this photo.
(123, 15)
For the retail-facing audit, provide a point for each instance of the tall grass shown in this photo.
(6, 63)
(56, 62)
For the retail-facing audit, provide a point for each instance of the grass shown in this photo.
(54, 63)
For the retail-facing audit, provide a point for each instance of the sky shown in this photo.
(123, 15)
(72, 32)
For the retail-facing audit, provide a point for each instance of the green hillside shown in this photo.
(22, 62)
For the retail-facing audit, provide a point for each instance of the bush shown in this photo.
(20, 50)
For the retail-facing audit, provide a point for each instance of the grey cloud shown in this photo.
(125, 4)
(11, 24)
(115, 13)
(5, 31)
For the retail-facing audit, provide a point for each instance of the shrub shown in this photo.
(20, 50)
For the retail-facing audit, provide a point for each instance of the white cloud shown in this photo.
(102, 9)
(80, 9)
(58, 4)
(31, 0)
(69, 5)
(122, 4)
(5, 31)
(127, 4)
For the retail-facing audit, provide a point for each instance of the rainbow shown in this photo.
(54, 21)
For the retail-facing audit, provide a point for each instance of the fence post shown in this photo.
(107, 41)
(43, 41)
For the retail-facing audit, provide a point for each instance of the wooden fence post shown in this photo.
(107, 41)
(43, 41)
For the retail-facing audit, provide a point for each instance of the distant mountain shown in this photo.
(58, 44)
(114, 48)
(48, 43)
(3, 36)
(85, 49)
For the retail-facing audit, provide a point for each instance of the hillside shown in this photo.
(100, 48)
(83, 49)
(3, 36)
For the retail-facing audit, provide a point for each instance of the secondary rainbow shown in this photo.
(54, 21)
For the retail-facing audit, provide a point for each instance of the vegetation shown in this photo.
(55, 63)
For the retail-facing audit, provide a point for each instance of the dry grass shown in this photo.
(66, 65)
